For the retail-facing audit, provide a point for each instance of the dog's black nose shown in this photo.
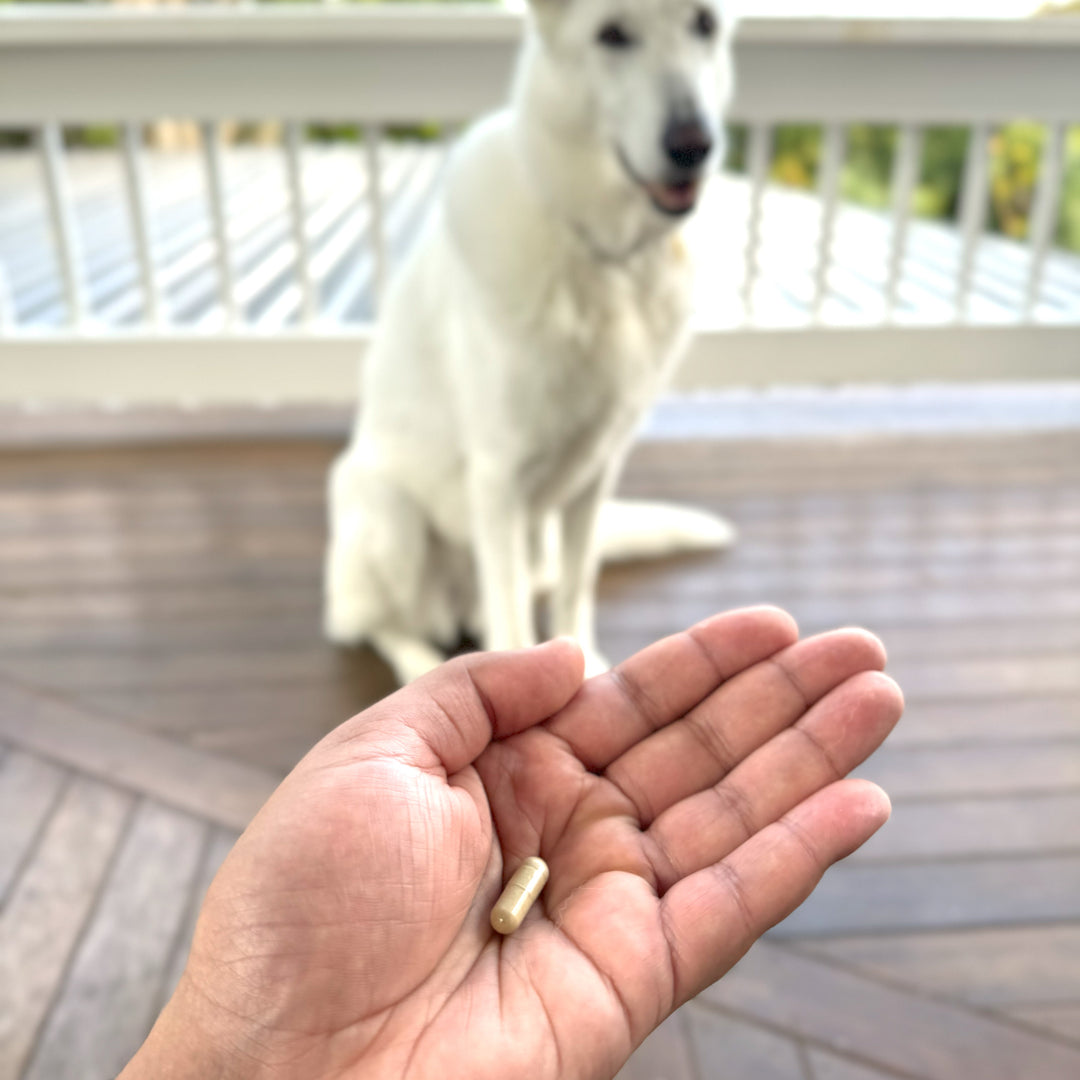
(687, 143)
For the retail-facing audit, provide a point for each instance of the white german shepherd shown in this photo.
(526, 337)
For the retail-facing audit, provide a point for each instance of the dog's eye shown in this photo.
(705, 23)
(614, 35)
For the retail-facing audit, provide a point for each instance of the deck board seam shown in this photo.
(879, 978)
(192, 902)
(88, 920)
(35, 842)
(776, 1028)
(139, 739)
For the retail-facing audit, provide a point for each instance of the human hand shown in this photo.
(685, 802)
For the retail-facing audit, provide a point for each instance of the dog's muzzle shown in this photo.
(678, 193)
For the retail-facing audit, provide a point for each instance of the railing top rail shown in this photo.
(64, 24)
(399, 63)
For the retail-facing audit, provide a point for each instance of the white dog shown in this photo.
(526, 337)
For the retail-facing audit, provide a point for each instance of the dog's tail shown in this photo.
(631, 529)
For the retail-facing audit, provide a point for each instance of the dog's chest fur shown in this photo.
(577, 342)
(605, 341)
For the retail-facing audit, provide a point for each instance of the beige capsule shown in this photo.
(519, 895)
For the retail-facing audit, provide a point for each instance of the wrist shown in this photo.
(186, 1043)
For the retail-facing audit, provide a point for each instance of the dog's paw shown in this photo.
(409, 656)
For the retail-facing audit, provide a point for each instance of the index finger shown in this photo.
(613, 712)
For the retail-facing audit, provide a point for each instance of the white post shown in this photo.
(906, 172)
(759, 157)
(372, 145)
(61, 214)
(7, 302)
(294, 143)
(973, 206)
(832, 164)
(140, 222)
(1044, 214)
(215, 177)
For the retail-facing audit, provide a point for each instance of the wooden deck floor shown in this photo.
(160, 667)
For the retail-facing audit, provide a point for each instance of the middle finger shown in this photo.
(744, 713)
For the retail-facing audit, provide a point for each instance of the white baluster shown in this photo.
(61, 214)
(759, 157)
(7, 302)
(372, 146)
(1044, 214)
(294, 143)
(973, 207)
(906, 172)
(215, 178)
(140, 222)
(832, 164)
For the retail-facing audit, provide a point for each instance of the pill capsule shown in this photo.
(519, 895)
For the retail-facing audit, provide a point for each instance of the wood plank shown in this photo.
(173, 601)
(958, 828)
(220, 714)
(1034, 718)
(854, 577)
(150, 425)
(161, 569)
(143, 525)
(981, 770)
(728, 1046)
(919, 496)
(29, 789)
(208, 570)
(277, 753)
(106, 1006)
(660, 593)
(1063, 1020)
(664, 1055)
(827, 1066)
(1054, 675)
(1032, 638)
(234, 631)
(810, 552)
(666, 602)
(882, 1025)
(806, 463)
(745, 580)
(89, 669)
(890, 898)
(221, 548)
(40, 925)
(881, 525)
(219, 843)
(999, 968)
(731, 475)
(225, 792)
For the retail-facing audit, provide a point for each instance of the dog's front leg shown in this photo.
(574, 600)
(500, 531)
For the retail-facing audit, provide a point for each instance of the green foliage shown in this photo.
(1016, 152)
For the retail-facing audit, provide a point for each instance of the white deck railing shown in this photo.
(384, 66)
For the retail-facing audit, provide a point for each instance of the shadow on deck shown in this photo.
(161, 666)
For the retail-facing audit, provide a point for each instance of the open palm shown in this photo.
(685, 802)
